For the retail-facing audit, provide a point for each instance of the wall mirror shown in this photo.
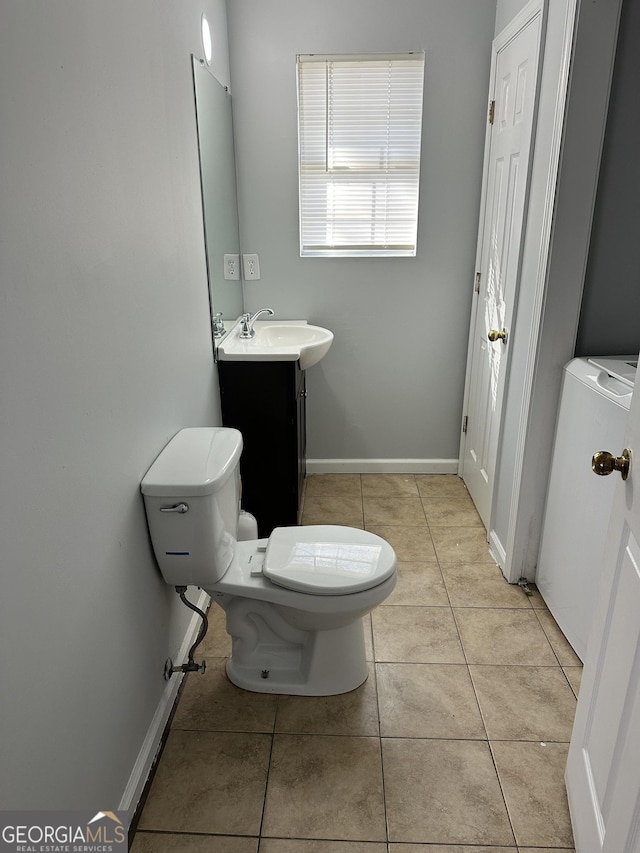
(218, 181)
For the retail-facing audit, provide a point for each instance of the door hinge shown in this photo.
(492, 111)
(477, 287)
(465, 423)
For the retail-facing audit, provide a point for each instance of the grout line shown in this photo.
(266, 784)
(548, 639)
(426, 515)
(504, 798)
(384, 793)
(192, 833)
(573, 690)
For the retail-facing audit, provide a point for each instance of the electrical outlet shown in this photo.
(250, 267)
(232, 267)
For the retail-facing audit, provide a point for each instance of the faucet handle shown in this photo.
(245, 325)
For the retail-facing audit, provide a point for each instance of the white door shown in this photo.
(603, 768)
(513, 92)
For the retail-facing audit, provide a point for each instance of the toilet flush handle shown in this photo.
(181, 508)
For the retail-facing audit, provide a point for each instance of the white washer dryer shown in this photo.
(594, 405)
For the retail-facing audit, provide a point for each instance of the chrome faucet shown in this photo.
(247, 320)
(218, 326)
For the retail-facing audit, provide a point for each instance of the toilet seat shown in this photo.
(327, 559)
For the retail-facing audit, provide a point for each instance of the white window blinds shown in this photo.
(359, 127)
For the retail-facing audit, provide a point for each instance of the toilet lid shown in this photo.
(327, 559)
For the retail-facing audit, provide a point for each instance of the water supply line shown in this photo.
(190, 665)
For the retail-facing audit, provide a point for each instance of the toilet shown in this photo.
(293, 602)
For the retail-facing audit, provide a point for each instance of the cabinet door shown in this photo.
(261, 400)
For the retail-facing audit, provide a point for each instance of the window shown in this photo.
(359, 123)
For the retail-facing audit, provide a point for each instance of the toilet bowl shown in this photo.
(293, 602)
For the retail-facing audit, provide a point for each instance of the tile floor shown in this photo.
(456, 743)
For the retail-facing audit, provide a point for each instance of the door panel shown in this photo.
(501, 231)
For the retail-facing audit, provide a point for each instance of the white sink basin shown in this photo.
(278, 340)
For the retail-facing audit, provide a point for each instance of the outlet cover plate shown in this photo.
(232, 267)
(250, 267)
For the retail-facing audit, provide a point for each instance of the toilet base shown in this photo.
(317, 663)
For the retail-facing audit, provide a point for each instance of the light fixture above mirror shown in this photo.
(207, 44)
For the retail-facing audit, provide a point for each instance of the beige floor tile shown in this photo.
(460, 545)
(354, 713)
(333, 485)
(211, 702)
(443, 792)
(333, 510)
(545, 850)
(481, 585)
(298, 845)
(505, 636)
(451, 512)
(441, 485)
(216, 643)
(525, 702)
(389, 485)
(574, 676)
(532, 779)
(165, 842)
(416, 635)
(412, 543)
(427, 701)
(393, 511)
(325, 787)
(201, 778)
(559, 642)
(419, 583)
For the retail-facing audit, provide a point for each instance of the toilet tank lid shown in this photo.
(197, 461)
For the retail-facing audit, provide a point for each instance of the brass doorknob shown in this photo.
(604, 463)
(494, 335)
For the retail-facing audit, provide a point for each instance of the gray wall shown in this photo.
(506, 10)
(611, 301)
(106, 352)
(392, 384)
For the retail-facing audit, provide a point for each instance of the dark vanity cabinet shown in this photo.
(265, 400)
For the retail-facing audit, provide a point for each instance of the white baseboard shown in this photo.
(382, 466)
(497, 550)
(151, 744)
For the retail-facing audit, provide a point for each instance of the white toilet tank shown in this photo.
(192, 500)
